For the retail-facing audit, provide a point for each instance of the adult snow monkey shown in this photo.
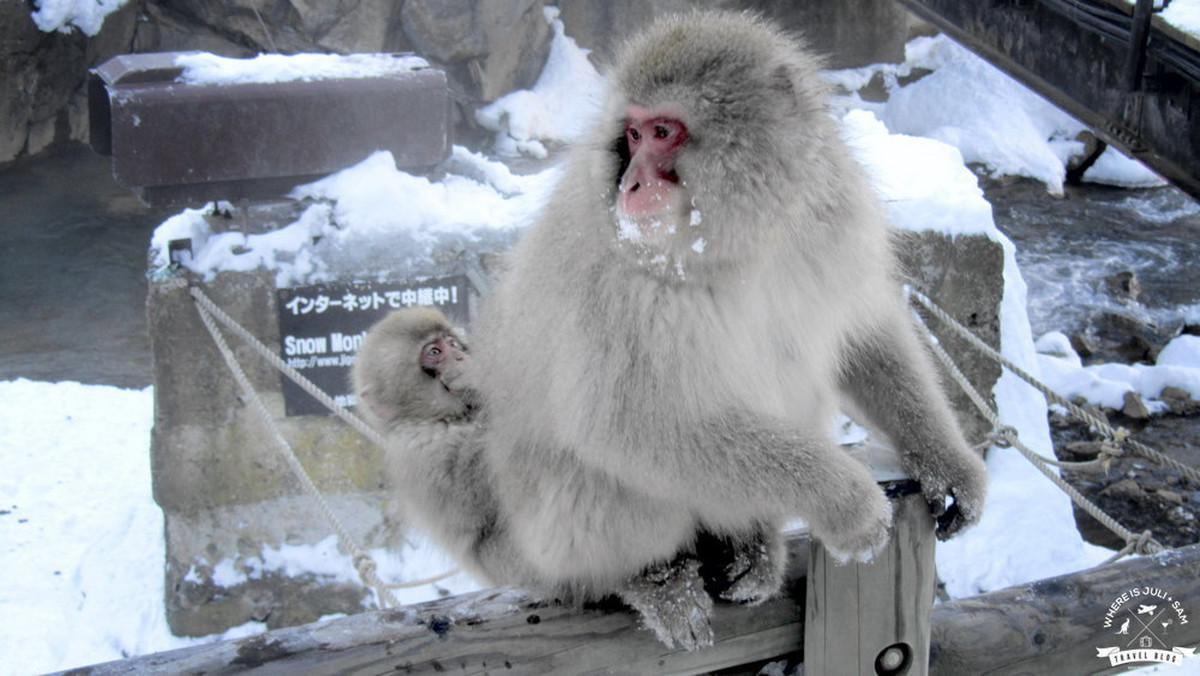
(661, 360)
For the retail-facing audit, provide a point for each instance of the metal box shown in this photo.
(173, 142)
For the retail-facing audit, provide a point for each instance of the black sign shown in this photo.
(321, 327)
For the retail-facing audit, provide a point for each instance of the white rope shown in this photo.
(275, 360)
(1117, 435)
(1006, 436)
(364, 564)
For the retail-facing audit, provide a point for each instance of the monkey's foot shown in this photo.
(755, 573)
(672, 603)
(861, 545)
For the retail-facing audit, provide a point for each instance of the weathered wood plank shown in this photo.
(495, 631)
(858, 610)
(1051, 626)
(1055, 626)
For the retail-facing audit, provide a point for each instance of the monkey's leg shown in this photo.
(745, 567)
(672, 602)
(893, 385)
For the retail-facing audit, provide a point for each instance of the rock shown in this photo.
(851, 33)
(1181, 517)
(1085, 450)
(373, 26)
(1169, 496)
(1127, 489)
(490, 48)
(602, 26)
(1139, 349)
(167, 30)
(1123, 286)
(1171, 393)
(1180, 400)
(42, 77)
(1134, 406)
(1117, 335)
(964, 275)
(1083, 345)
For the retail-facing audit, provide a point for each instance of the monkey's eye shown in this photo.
(661, 131)
(432, 350)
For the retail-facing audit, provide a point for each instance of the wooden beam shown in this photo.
(1050, 626)
(500, 630)
(1057, 625)
(873, 618)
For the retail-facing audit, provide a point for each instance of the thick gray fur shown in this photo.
(690, 388)
(433, 459)
(637, 398)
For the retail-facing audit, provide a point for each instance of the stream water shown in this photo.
(1069, 248)
(72, 270)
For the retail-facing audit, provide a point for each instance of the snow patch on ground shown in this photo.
(65, 16)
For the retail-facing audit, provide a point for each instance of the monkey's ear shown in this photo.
(378, 409)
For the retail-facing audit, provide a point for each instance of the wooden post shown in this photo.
(874, 618)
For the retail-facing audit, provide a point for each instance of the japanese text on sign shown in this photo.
(322, 327)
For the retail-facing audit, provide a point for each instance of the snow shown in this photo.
(358, 218)
(65, 16)
(559, 107)
(1106, 384)
(1184, 15)
(992, 119)
(210, 69)
(81, 538)
(922, 181)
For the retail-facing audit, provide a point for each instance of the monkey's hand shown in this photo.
(855, 526)
(955, 487)
(671, 600)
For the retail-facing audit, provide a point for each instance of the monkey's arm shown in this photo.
(891, 381)
(738, 466)
(442, 485)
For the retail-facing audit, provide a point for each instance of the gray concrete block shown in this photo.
(964, 275)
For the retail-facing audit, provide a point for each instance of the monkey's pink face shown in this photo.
(441, 354)
(653, 204)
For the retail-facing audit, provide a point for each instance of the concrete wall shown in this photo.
(228, 495)
(964, 275)
(224, 488)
